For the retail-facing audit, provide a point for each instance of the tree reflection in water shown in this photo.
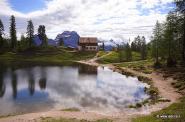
(2, 84)
(36, 88)
(31, 84)
(42, 81)
(14, 84)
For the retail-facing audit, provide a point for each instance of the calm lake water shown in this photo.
(40, 88)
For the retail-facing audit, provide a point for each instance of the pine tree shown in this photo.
(169, 39)
(103, 46)
(156, 42)
(1, 34)
(30, 33)
(143, 48)
(23, 42)
(128, 52)
(13, 36)
(180, 8)
(136, 44)
(42, 35)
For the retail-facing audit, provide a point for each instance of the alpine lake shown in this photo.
(26, 88)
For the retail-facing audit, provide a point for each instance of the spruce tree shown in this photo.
(128, 52)
(30, 33)
(143, 48)
(1, 34)
(180, 8)
(23, 42)
(156, 42)
(13, 37)
(169, 39)
(42, 35)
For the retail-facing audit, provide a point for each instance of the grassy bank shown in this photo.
(177, 73)
(145, 66)
(114, 57)
(48, 55)
(175, 113)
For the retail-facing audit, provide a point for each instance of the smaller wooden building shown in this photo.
(88, 44)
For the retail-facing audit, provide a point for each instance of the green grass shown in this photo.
(145, 66)
(71, 109)
(174, 109)
(111, 58)
(51, 55)
(115, 58)
(136, 56)
(48, 119)
(101, 53)
(9, 115)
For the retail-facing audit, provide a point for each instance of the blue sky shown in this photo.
(105, 19)
(26, 6)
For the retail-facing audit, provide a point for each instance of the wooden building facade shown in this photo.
(88, 44)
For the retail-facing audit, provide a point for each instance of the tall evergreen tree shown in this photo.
(169, 39)
(180, 8)
(1, 34)
(24, 42)
(13, 36)
(30, 33)
(42, 34)
(128, 52)
(136, 44)
(156, 41)
(103, 46)
(143, 48)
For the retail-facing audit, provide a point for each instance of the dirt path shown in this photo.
(164, 86)
(166, 91)
(93, 61)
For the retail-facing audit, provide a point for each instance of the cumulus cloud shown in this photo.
(105, 19)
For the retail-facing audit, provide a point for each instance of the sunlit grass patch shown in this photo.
(46, 55)
(71, 109)
(173, 113)
(145, 66)
(101, 53)
(114, 57)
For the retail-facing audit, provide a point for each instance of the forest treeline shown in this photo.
(168, 41)
(166, 44)
(11, 43)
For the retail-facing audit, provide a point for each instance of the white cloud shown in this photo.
(102, 18)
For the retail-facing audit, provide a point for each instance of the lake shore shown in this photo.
(162, 84)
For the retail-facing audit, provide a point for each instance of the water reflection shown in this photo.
(2, 84)
(14, 85)
(84, 69)
(42, 80)
(37, 88)
(42, 83)
(31, 84)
